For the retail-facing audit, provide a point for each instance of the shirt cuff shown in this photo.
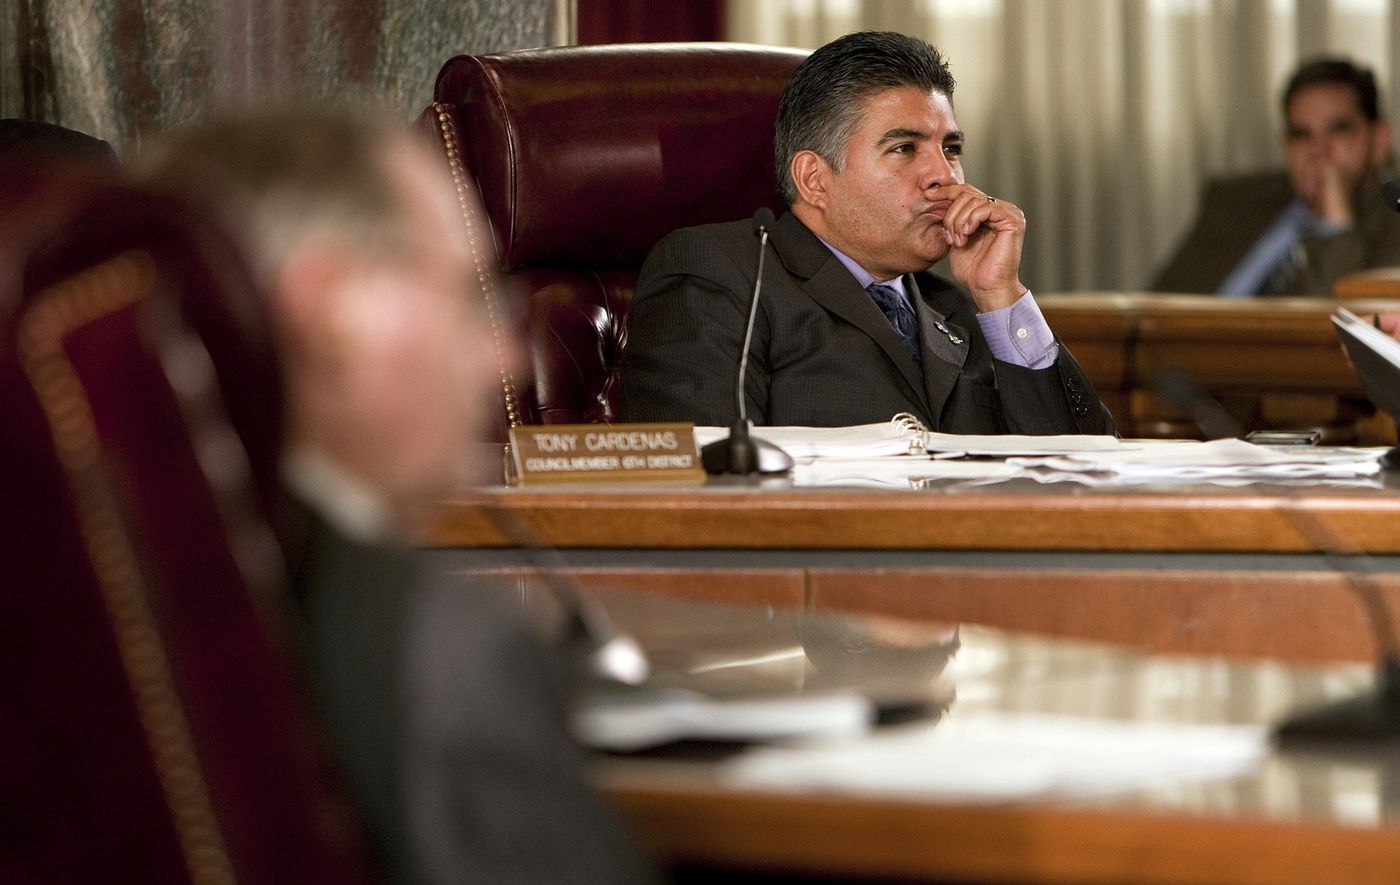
(1322, 228)
(1019, 334)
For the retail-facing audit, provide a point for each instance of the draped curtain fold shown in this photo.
(124, 69)
(1103, 119)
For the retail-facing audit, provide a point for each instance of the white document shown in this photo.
(649, 718)
(1218, 458)
(858, 441)
(1375, 356)
(1007, 444)
(1374, 338)
(903, 435)
(996, 757)
(897, 472)
(895, 453)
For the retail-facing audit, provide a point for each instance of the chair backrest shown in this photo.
(584, 157)
(153, 725)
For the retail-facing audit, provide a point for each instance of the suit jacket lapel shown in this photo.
(826, 281)
(943, 358)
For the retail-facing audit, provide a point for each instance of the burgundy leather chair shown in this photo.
(153, 726)
(584, 157)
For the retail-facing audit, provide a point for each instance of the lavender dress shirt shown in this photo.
(1017, 334)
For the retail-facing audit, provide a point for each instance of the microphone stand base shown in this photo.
(1370, 717)
(744, 454)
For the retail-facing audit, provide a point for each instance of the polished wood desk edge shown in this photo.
(1139, 303)
(1277, 360)
(1284, 614)
(1376, 282)
(889, 520)
(1044, 841)
(1145, 318)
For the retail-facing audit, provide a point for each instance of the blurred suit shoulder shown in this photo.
(1234, 213)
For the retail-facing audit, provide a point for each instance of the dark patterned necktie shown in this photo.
(897, 311)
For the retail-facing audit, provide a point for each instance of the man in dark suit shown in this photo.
(851, 328)
(1295, 233)
(444, 711)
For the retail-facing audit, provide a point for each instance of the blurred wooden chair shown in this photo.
(154, 725)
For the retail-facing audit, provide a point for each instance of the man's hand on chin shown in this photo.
(985, 236)
(1328, 192)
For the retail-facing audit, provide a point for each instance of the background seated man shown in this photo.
(1296, 233)
(851, 328)
(445, 715)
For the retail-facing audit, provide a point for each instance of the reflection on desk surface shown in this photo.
(1004, 680)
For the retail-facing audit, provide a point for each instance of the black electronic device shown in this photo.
(1284, 437)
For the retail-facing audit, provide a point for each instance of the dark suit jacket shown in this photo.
(45, 142)
(448, 721)
(823, 354)
(1235, 212)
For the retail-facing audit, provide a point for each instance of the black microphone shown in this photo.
(1182, 391)
(1374, 714)
(741, 452)
(1390, 192)
(587, 635)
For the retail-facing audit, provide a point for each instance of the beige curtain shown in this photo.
(123, 69)
(1102, 119)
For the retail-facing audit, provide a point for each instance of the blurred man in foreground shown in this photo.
(1295, 234)
(445, 715)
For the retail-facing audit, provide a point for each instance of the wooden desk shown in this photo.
(1299, 817)
(1195, 568)
(1380, 282)
(1274, 363)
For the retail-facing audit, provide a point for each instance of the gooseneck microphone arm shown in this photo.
(1373, 714)
(741, 402)
(741, 452)
(587, 635)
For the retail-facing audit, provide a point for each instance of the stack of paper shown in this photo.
(1008, 444)
(901, 437)
(899, 453)
(999, 756)
(859, 441)
(1232, 458)
(652, 717)
(903, 472)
